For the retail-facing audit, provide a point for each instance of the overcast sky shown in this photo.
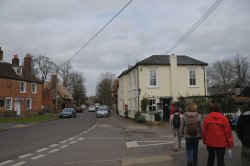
(59, 28)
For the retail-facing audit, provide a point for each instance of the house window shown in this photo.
(28, 104)
(8, 103)
(33, 87)
(152, 77)
(22, 87)
(18, 70)
(192, 77)
(152, 104)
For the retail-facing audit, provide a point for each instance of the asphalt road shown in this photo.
(88, 141)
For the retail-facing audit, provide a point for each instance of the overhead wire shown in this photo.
(210, 10)
(98, 32)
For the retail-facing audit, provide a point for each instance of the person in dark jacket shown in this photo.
(217, 135)
(243, 133)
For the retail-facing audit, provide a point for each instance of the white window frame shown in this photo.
(28, 106)
(150, 78)
(6, 104)
(18, 70)
(33, 88)
(22, 87)
(152, 103)
(193, 77)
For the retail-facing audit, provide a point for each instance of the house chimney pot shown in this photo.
(27, 62)
(1, 54)
(15, 60)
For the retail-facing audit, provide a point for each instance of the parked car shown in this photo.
(79, 109)
(83, 107)
(68, 113)
(103, 111)
(92, 108)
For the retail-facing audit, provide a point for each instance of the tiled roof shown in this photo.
(7, 71)
(164, 60)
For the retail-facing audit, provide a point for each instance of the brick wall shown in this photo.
(11, 88)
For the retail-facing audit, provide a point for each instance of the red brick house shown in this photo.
(20, 90)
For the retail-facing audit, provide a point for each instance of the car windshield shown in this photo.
(67, 110)
(102, 109)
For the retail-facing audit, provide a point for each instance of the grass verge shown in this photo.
(29, 119)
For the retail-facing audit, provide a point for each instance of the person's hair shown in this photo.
(216, 107)
(191, 107)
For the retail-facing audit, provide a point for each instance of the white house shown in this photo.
(162, 79)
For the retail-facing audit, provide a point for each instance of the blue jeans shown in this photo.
(192, 151)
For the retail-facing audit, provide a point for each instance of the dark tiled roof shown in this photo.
(164, 60)
(7, 71)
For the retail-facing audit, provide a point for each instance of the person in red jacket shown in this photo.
(217, 135)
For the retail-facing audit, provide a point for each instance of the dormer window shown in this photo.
(18, 70)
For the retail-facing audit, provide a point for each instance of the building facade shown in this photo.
(20, 90)
(161, 79)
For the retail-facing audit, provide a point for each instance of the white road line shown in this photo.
(38, 157)
(71, 138)
(53, 151)
(25, 155)
(79, 139)
(6, 162)
(41, 150)
(72, 142)
(53, 145)
(64, 146)
(20, 163)
(62, 142)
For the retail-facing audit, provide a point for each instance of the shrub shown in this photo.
(144, 104)
(139, 117)
(157, 116)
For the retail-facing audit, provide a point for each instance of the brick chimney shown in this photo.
(27, 62)
(1, 55)
(15, 60)
(53, 81)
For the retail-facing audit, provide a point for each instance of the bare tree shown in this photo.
(221, 73)
(76, 85)
(104, 88)
(241, 68)
(64, 71)
(42, 67)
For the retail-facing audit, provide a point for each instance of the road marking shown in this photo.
(20, 163)
(38, 157)
(6, 162)
(144, 160)
(79, 139)
(72, 142)
(64, 146)
(41, 150)
(53, 151)
(71, 138)
(62, 142)
(54, 145)
(135, 144)
(25, 155)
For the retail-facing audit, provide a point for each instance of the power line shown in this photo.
(211, 9)
(87, 43)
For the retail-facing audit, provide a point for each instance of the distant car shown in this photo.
(83, 107)
(92, 108)
(79, 109)
(68, 113)
(103, 111)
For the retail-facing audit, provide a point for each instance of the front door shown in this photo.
(166, 105)
(17, 107)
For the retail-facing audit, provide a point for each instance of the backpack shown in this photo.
(192, 125)
(176, 121)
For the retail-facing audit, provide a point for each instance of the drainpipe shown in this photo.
(138, 89)
(205, 82)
